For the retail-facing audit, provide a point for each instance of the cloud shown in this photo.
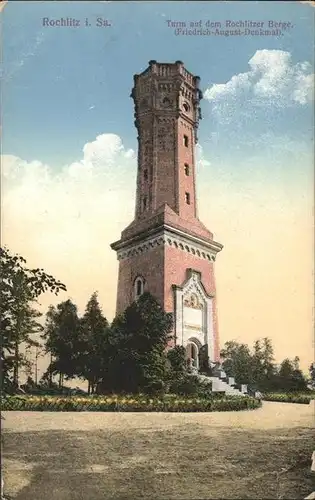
(273, 80)
(29, 50)
(201, 160)
(61, 219)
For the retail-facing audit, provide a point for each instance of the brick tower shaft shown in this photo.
(167, 113)
(166, 249)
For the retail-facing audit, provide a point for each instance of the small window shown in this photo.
(187, 198)
(139, 287)
(145, 174)
(145, 203)
(186, 166)
(186, 141)
(186, 106)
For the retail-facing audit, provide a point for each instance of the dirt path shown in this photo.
(270, 416)
(257, 454)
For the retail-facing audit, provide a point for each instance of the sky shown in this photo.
(69, 149)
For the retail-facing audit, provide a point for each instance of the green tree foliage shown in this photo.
(27, 327)
(257, 363)
(312, 374)
(93, 344)
(290, 377)
(177, 366)
(263, 367)
(257, 368)
(20, 288)
(62, 336)
(237, 361)
(128, 356)
(136, 348)
(286, 369)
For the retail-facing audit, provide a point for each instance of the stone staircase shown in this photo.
(229, 386)
(222, 383)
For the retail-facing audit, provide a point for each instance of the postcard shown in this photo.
(157, 250)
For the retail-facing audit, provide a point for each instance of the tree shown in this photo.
(63, 337)
(253, 367)
(136, 348)
(312, 374)
(20, 288)
(291, 377)
(177, 362)
(268, 358)
(237, 361)
(263, 367)
(27, 326)
(257, 364)
(93, 343)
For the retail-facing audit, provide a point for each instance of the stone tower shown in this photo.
(166, 250)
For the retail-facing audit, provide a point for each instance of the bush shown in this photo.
(53, 389)
(177, 361)
(155, 387)
(289, 397)
(128, 403)
(191, 385)
(185, 386)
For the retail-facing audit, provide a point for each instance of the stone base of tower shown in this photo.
(176, 268)
(195, 323)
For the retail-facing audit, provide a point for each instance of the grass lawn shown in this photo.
(147, 456)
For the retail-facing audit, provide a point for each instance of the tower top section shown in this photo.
(167, 89)
(167, 113)
(169, 70)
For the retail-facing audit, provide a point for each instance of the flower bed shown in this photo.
(289, 397)
(130, 403)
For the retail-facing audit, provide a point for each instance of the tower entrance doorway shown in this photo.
(192, 353)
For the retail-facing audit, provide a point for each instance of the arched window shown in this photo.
(139, 287)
